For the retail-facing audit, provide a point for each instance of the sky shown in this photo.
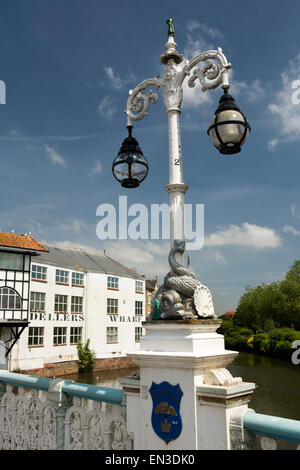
(68, 66)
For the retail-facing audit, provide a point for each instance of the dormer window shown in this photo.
(11, 261)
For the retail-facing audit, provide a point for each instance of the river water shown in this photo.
(277, 381)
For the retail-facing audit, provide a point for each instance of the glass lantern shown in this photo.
(130, 167)
(229, 128)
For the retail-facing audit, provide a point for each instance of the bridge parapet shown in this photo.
(53, 414)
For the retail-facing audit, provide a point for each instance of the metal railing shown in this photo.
(37, 413)
(258, 431)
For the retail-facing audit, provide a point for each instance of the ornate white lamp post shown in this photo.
(181, 296)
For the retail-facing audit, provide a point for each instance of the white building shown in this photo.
(77, 294)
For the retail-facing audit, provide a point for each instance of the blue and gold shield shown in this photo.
(166, 418)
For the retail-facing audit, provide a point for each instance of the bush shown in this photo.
(86, 357)
(245, 331)
(238, 342)
(283, 349)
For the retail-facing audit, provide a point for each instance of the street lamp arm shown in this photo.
(212, 74)
(138, 102)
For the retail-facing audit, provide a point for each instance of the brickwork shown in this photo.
(59, 369)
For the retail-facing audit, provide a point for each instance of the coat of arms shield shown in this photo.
(166, 419)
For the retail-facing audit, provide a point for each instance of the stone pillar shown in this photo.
(188, 353)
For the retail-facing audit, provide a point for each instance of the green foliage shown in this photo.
(277, 342)
(268, 306)
(86, 357)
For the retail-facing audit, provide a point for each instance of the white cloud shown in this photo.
(145, 257)
(97, 169)
(106, 107)
(285, 111)
(76, 226)
(115, 80)
(290, 229)
(54, 156)
(272, 144)
(293, 209)
(247, 235)
(251, 92)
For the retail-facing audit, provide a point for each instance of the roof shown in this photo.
(151, 284)
(25, 242)
(230, 314)
(85, 260)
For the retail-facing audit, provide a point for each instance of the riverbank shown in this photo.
(276, 342)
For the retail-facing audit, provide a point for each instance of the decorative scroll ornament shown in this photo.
(220, 377)
(212, 74)
(138, 103)
(267, 443)
(95, 423)
(34, 416)
(48, 427)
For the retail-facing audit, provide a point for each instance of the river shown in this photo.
(277, 381)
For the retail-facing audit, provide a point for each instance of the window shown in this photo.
(62, 277)
(38, 273)
(112, 306)
(77, 279)
(112, 282)
(138, 333)
(138, 307)
(37, 302)
(9, 299)
(76, 304)
(139, 287)
(13, 261)
(111, 334)
(35, 336)
(59, 336)
(61, 303)
(149, 299)
(75, 334)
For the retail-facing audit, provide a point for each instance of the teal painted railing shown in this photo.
(74, 389)
(59, 417)
(271, 426)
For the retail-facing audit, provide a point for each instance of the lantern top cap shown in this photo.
(227, 102)
(130, 144)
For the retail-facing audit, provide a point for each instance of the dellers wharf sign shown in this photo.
(125, 319)
(56, 317)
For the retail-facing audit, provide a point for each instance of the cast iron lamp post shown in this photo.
(228, 131)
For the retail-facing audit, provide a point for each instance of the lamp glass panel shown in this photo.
(231, 132)
(121, 171)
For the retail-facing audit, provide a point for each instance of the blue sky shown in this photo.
(68, 66)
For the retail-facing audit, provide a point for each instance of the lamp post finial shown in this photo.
(171, 31)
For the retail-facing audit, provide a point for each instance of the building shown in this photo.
(77, 294)
(151, 287)
(16, 252)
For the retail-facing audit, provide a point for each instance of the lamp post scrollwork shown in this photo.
(181, 296)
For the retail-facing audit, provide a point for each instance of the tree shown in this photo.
(86, 357)
(277, 303)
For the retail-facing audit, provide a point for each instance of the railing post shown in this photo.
(60, 402)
